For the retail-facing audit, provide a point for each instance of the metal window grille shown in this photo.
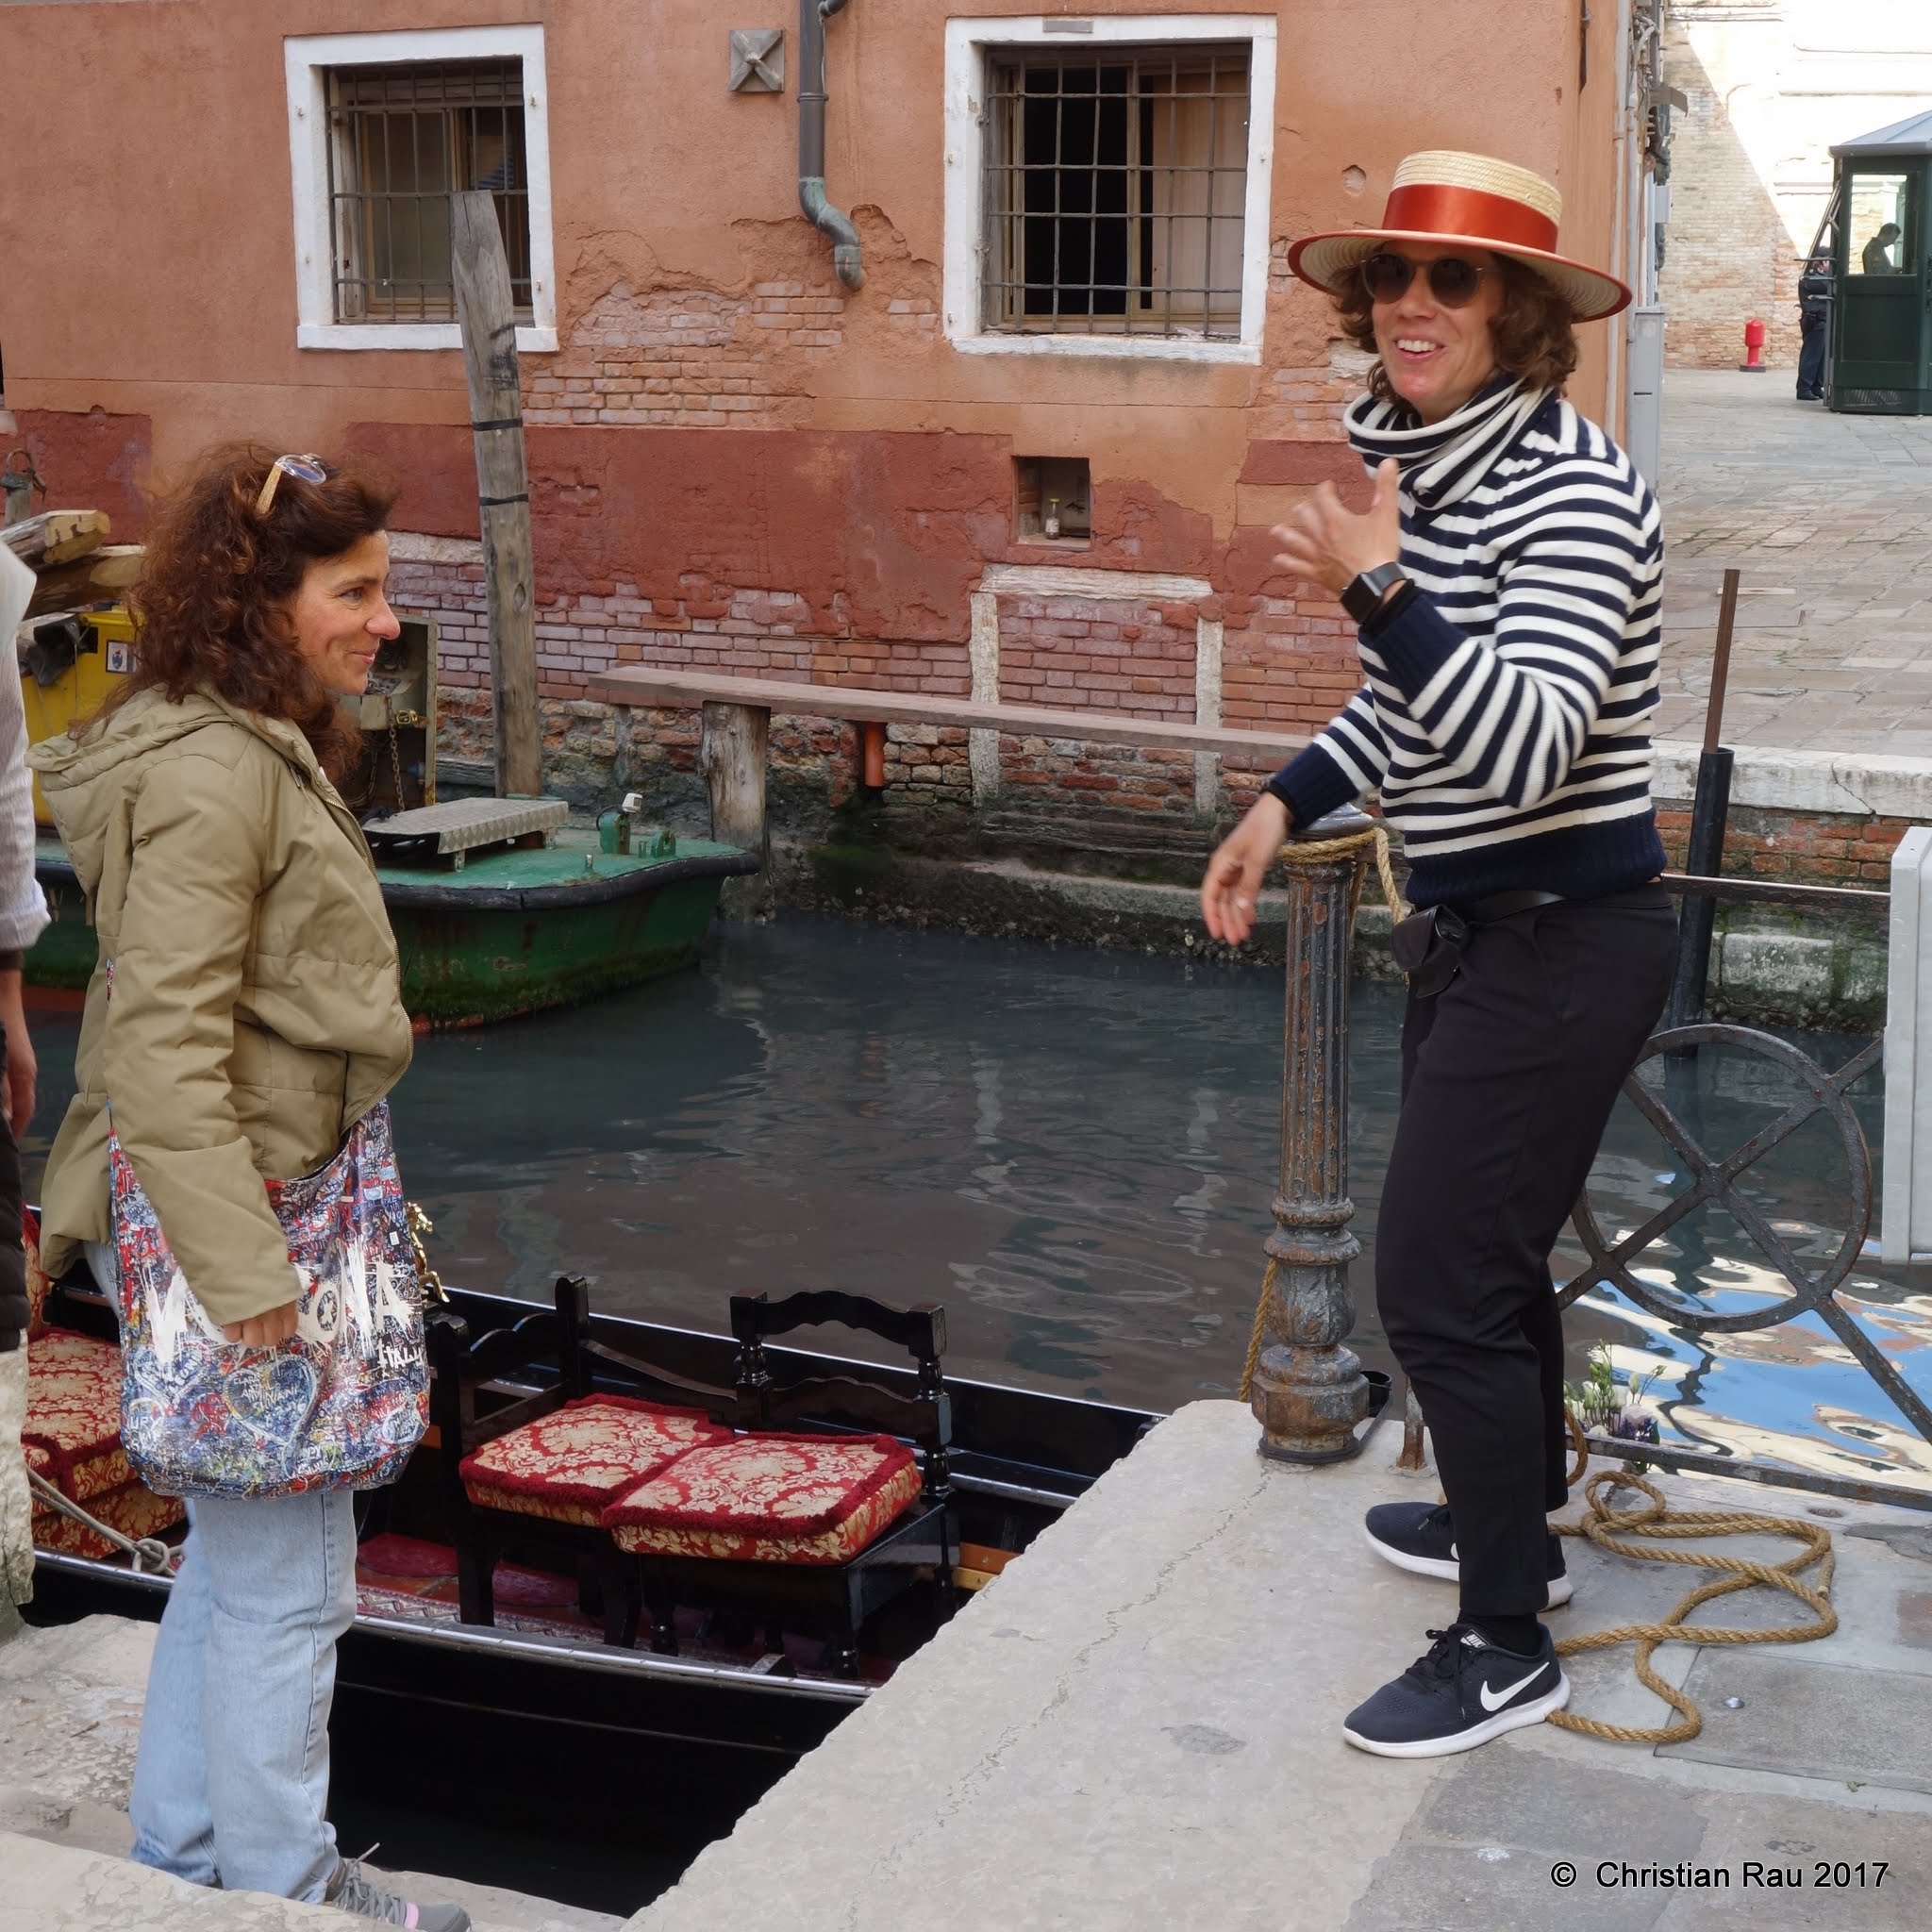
(402, 140)
(1115, 190)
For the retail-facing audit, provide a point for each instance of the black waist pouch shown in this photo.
(1428, 947)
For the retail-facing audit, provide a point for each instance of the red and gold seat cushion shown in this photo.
(37, 1282)
(769, 1499)
(569, 1466)
(74, 1413)
(134, 1510)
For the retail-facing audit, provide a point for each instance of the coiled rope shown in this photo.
(1616, 1529)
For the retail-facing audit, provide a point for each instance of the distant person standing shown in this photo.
(1878, 252)
(1814, 311)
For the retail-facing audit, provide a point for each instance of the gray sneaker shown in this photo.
(350, 1891)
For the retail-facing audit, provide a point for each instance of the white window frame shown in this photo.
(307, 59)
(968, 45)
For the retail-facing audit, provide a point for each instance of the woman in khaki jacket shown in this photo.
(257, 1015)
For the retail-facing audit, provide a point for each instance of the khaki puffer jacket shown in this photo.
(256, 1012)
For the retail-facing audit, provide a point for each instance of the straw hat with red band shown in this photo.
(1442, 198)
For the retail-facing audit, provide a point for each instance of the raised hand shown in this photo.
(1327, 544)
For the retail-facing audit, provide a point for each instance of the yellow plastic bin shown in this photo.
(104, 655)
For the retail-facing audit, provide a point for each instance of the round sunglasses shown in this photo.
(1452, 281)
(305, 469)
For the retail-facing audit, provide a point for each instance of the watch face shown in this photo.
(1363, 593)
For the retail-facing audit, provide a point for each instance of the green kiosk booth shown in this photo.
(1878, 231)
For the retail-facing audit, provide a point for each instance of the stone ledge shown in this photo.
(1867, 784)
(1136, 1729)
(49, 1887)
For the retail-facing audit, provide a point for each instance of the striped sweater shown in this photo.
(1506, 713)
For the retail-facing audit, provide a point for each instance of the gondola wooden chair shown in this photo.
(817, 1510)
(533, 1449)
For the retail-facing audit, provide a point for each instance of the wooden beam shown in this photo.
(488, 318)
(99, 578)
(56, 536)
(642, 685)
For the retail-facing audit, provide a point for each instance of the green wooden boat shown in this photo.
(510, 931)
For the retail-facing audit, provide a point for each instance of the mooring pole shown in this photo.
(480, 272)
(1308, 1392)
(1705, 855)
(731, 755)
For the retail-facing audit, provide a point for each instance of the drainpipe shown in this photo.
(812, 15)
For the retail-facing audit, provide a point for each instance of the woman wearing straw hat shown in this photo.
(1504, 578)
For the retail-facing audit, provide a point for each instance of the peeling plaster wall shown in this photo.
(734, 461)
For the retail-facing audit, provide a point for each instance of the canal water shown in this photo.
(1074, 1153)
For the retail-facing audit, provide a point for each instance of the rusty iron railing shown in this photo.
(1310, 1392)
(1715, 1180)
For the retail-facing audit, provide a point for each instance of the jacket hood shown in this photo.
(88, 773)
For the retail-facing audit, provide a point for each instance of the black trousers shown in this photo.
(1509, 1076)
(1812, 360)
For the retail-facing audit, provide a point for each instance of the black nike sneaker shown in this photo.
(1420, 1537)
(1465, 1692)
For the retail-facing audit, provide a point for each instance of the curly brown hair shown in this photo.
(1533, 332)
(215, 579)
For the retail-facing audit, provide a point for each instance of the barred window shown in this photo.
(1115, 190)
(403, 139)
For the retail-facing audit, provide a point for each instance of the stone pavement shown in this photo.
(70, 1711)
(1829, 518)
(1135, 1729)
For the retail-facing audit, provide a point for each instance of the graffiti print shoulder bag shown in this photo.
(341, 1404)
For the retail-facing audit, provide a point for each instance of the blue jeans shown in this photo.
(231, 1778)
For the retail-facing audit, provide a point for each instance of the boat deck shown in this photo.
(560, 868)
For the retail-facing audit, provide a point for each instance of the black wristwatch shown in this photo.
(1362, 597)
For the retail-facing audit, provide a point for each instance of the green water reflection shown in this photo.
(1073, 1151)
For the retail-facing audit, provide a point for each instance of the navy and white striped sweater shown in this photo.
(1505, 715)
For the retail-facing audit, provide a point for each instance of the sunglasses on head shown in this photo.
(309, 468)
(1452, 281)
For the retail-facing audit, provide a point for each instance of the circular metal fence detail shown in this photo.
(1714, 1181)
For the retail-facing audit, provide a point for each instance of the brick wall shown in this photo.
(1806, 848)
(704, 358)
(1285, 664)
(1729, 256)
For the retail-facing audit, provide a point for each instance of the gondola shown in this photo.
(535, 1753)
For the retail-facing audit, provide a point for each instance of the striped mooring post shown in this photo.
(1310, 1393)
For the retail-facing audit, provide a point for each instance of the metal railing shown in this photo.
(1310, 1394)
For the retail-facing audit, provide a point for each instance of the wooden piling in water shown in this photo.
(480, 272)
(731, 755)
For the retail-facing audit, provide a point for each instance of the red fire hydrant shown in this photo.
(1753, 346)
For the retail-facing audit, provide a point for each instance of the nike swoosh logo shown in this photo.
(1495, 1700)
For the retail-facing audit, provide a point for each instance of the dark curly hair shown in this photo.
(215, 578)
(1533, 332)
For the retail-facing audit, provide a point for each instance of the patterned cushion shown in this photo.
(36, 1283)
(133, 1509)
(568, 1465)
(770, 1499)
(74, 1412)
